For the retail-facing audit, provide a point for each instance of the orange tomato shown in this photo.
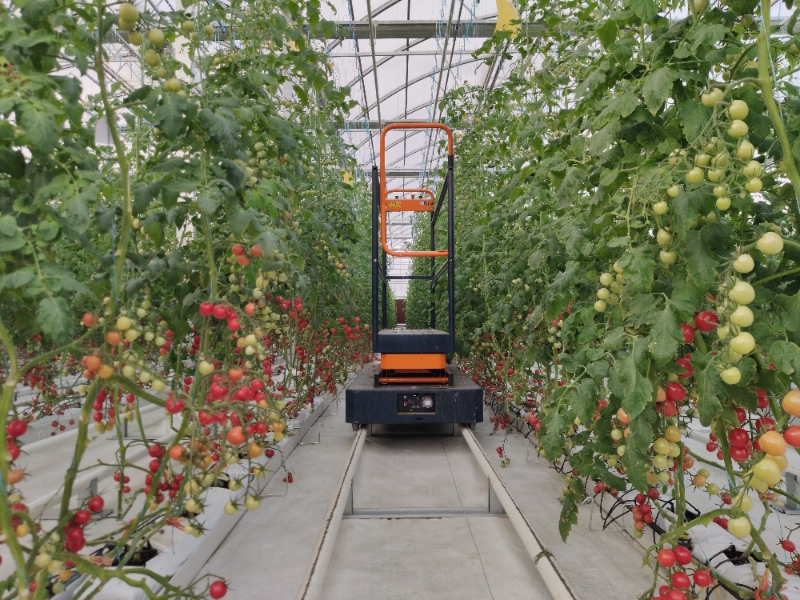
(772, 443)
(89, 319)
(623, 417)
(176, 452)
(791, 403)
(16, 475)
(254, 450)
(114, 338)
(236, 436)
(235, 374)
(92, 362)
(105, 371)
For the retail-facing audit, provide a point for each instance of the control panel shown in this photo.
(416, 403)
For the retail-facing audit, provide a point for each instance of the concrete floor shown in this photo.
(381, 555)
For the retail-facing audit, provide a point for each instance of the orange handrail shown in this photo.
(383, 192)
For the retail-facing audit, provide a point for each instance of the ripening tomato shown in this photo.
(791, 403)
(236, 436)
(772, 443)
(792, 436)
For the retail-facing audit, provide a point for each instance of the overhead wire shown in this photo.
(374, 62)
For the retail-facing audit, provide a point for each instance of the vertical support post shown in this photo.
(451, 254)
(433, 271)
(384, 295)
(375, 225)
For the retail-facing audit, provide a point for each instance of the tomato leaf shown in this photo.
(637, 389)
(694, 117)
(657, 87)
(785, 356)
(569, 508)
(710, 387)
(17, 279)
(637, 446)
(39, 122)
(638, 268)
(53, 318)
(665, 336)
(701, 264)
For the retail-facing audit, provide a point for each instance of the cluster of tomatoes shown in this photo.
(221, 311)
(240, 253)
(674, 560)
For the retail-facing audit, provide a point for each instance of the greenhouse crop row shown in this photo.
(627, 210)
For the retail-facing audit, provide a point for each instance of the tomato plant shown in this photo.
(627, 209)
(193, 261)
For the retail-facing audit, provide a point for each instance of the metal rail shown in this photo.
(545, 564)
(313, 586)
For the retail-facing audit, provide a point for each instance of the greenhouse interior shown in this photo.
(235, 363)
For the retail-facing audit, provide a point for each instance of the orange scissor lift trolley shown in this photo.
(412, 382)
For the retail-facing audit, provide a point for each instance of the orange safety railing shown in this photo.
(384, 199)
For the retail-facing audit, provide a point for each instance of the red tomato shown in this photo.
(688, 333)
(792, 435)
(706, 320)
(738, 437)
(218, 589)
(95, 504)
(683, 555)
(666, 558)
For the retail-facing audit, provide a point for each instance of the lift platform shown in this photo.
(412, 382)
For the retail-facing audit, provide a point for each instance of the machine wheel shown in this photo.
(356, 426)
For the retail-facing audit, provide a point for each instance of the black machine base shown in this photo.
(369, 403)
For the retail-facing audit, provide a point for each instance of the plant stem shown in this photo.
(124, 166)
(6, 402)
(768, 95)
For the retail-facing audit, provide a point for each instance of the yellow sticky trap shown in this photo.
(347, 177)
(506, 13)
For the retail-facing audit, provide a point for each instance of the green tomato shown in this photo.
(713, 489)
(694, 175)
(661, 446)
(723, 203)
(742, 317)
(710, 98)
(606, 279)
(737, 129)
(742, 292)
(231, 508)
(663, 238)
(252, 502)
(767, 471)
(702, 159)
(136, 38)
(603, 293)
(600, 306)
(753, 169)
(155, 36)
(739, 527)
(731, 375)
(715, 175)
(745, 150)
(151, 57)
(743, 264)
(738, 110)
(668, 257)
(660, 461)
(770, 243)
(720, 191)
(660, 208)
(744, 343)
(128, 12)
(673, 190)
